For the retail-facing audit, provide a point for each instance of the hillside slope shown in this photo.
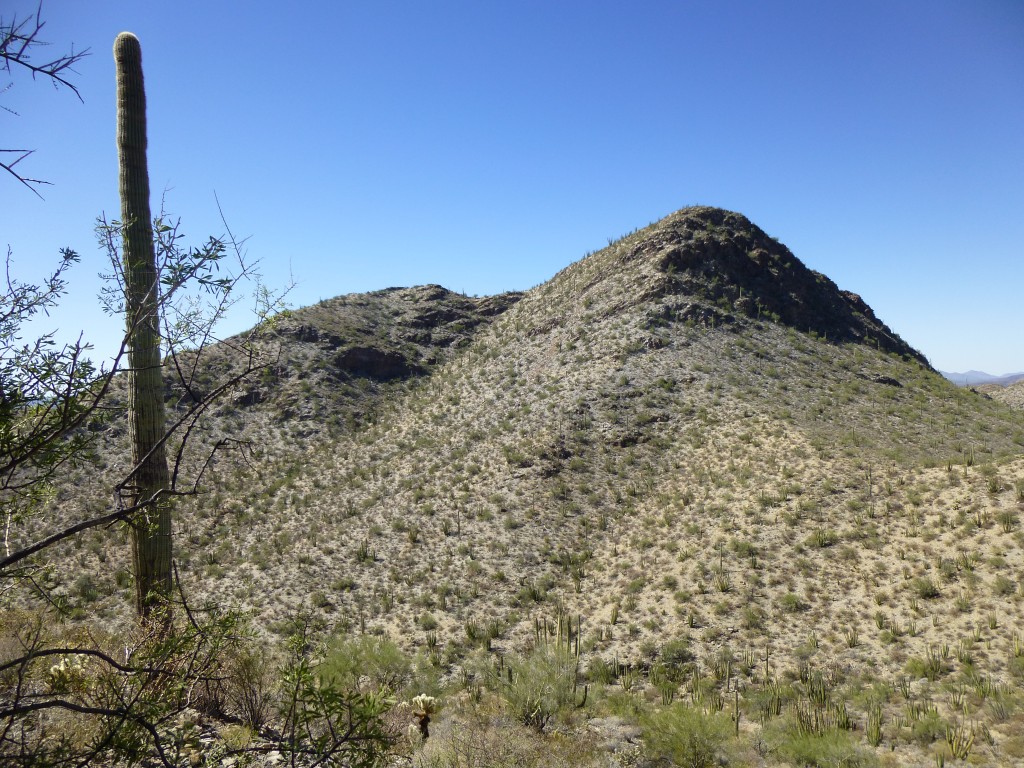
(648, 395)
(685, 436)
(1011, 394)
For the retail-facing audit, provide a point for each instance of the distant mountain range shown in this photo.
(974, 378)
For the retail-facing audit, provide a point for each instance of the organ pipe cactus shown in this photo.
(151, 524)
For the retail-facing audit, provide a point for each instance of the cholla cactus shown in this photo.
(424, 704)
(413, 734)
(67, 675)
(423, 707)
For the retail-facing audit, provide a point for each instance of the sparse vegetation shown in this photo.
(769, 550)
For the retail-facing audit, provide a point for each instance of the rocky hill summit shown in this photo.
(338, 356)
(326, 368)
(714, 266)
(333, 363)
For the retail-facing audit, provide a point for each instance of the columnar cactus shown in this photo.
(151, 526)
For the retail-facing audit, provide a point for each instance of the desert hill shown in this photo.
(668, 391)
(687, 436)
(1010, 394)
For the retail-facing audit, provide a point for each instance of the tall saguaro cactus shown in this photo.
(151, 526)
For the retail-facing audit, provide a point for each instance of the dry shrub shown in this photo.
(251, 682)
(480, 737)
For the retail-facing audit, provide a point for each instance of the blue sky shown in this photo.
(486, 145)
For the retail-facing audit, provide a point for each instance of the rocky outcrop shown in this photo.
(728, 261)
(378, 364)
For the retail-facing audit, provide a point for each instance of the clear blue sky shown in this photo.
(485, 145)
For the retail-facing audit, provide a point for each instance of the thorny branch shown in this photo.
(18, 40)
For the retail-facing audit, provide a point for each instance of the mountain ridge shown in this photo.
(687, 436)
(974, 378)
(537, 423)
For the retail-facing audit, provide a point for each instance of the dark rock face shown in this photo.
(435, 317)
(725, 259)
(492, 306)
(310, 334)
(376, 364)
(889, 381)
(249, 398)
(336, 359)
(306, 333)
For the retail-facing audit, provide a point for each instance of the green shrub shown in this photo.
(365, 663)
(791, 603)
(314, 705)
(539, 686)
(250, 684)
(1003, 586)
(822, 538)
(826, 750)
(684, 735)
(930, 666)
(925, 588)
(928, 728)
(1016, 667)
(753, 617)
(601, 671)
(676, 654)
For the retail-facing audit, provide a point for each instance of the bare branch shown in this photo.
(49, 541)
(190, 419)
(18, 39)
(91, 652)
(9, 167)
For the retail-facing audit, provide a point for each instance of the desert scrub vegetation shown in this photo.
(735, 502)
(129, 695)
(733, 708)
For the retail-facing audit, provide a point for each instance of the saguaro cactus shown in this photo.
(151, 526)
